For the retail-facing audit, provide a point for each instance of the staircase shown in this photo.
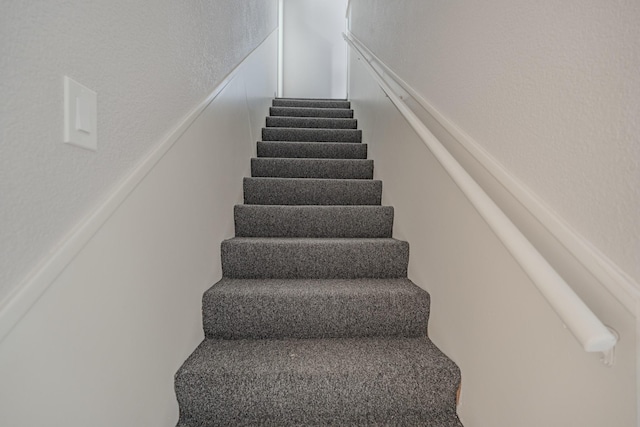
(314, 321)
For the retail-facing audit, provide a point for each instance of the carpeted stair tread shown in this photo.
(311, 135)
(312, 122)
(345, 113)
(312, 168)
(341, 382)
(309, 191)
(311, 103)
(313, 221)
(316, 150)
(314, 308)
(313, 258)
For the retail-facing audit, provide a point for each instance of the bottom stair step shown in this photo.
(345, 382)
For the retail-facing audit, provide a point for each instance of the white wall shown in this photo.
(101, 345)
(549, 89)
(519, 366)
(149, 64)
(546, 91)
(315, 55)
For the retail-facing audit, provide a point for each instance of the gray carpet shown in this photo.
(312, 168)
(308, 191)
(311, 103)
(344, 113)
(314, 321)
(306, 382)
(315, 150)
(314, 308)
(317, 258)
(312, 122)
(313, 221)
(311, 135)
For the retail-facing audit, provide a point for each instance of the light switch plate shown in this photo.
(80, 115)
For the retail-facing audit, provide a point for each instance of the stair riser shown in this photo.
(312, 168)
(282, 259)
(283, 191)
(310, 103)
(313, 221)
(311, 135)
(236, 309)
(311, 112)
(319, 123)
(312, 150)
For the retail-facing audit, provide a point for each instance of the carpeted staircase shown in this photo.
(314, 321)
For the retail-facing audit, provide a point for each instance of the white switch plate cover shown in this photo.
(80, 115)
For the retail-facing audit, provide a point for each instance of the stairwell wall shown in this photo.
(519, 366)
(549, 90)
(149, 64)
(101, 344)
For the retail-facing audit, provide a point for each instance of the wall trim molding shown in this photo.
(19, 301)
(611, 276)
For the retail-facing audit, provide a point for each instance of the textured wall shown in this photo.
(549, 88)
(150, 65)
(101, 346)
(520, 367)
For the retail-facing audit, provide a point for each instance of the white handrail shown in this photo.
(592, 334)
(608, 274)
